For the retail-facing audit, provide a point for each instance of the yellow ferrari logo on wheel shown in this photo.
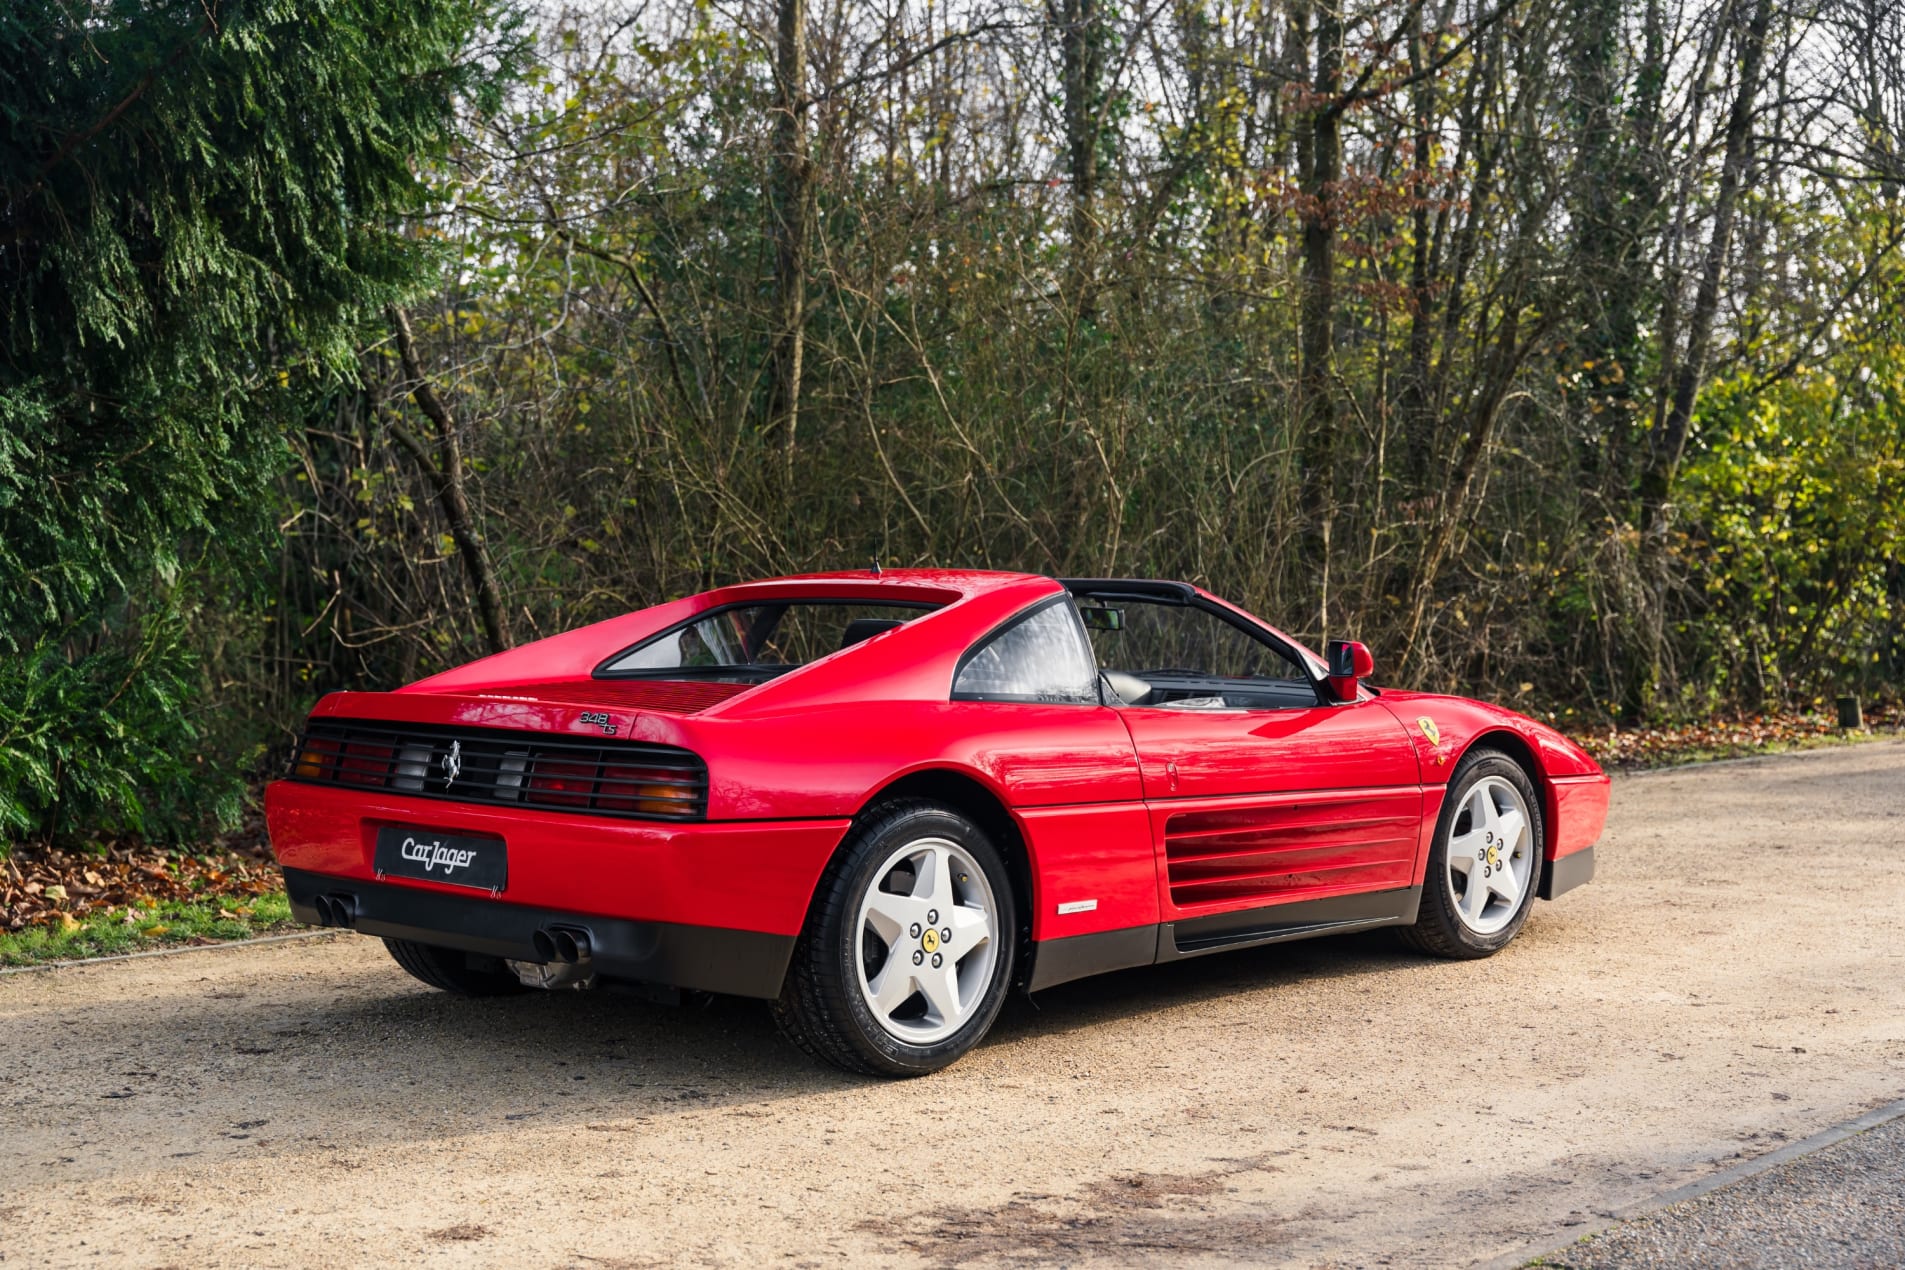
(1430, 730)
(931, 942)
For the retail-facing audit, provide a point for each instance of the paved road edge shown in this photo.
(1532, 1252)
(77, 963)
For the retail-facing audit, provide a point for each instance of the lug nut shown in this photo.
(918, 956)
(946, 935)
(932, 915)
(915, 930)
(936, 960)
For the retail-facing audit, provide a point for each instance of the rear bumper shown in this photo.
(710, 958)
(754, 875)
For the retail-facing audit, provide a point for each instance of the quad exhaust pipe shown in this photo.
(563, 959)
(566, 945)
(564, 954)
(336, 909)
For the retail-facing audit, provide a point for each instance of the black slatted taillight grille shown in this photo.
(521, 769)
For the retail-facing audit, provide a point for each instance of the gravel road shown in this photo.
(1734, 980)
(1843, 1205)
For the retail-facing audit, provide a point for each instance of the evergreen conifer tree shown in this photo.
(202, 206)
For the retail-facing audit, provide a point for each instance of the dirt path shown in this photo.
(1734, 979)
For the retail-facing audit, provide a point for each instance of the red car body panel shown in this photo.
(739, 875)
(1573, 788)
(1253, 808)
(1131, 819)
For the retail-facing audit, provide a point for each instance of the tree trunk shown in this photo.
(1081, 48)
(445, 473)
(1607, 241)
(791, 200)
(1416, 409)
(1646, 659)
(1321, 173)
(1670, 440)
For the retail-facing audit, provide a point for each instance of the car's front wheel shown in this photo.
(1486, 861)
(908, 951)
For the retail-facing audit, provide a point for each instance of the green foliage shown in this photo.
(131, 929)
(113, 728)
(1798, 502)
(199, 212)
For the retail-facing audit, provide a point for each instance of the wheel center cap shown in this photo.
(1494, 857)
(930, 941)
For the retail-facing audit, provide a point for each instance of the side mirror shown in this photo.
(1348, 662)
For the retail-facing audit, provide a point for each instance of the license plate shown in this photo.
(434, 856)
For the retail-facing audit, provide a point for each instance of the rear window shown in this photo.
(755, 641)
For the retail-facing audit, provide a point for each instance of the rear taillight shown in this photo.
(316, 757)
(562, 784)
(362, 763)
(647, 791)
(321, 758)
(463, 764)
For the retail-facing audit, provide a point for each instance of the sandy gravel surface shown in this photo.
(1842, 1206)
(1734, 979)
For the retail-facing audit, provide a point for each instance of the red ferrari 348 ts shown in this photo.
(881, 801)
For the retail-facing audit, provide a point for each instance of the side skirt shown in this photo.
(1056, 961)
(1078, 956)
(1561, 876)
(1336, 915)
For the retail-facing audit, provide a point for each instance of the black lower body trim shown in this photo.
(1558, 877)
(1056, 961)
(1299, 920)
(745, 963)
(1076, 956)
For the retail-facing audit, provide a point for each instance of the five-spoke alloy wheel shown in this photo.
(928, 940)
(1486, 861)
(909, 948)
(1489, 864)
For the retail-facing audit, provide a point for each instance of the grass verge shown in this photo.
(136, 928)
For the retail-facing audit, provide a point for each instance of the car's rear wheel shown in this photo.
(461, 973)
(908, 951)
(1486, 861)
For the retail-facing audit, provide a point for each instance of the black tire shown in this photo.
(459, 973)
(1439, 930)
(821, 1008)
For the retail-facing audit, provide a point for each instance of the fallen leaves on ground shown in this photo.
(57, 886)
(1617, 747)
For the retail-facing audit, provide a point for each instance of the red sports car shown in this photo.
(882, 800)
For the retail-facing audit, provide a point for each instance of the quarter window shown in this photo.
(1042, 657)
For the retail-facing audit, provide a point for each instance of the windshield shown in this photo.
(750, 642)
